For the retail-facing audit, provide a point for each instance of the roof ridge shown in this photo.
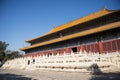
(91, 16)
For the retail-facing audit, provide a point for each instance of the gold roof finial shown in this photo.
(104, 8)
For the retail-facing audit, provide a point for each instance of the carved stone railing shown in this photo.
(66, 62)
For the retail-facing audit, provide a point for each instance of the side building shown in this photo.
(96, 33)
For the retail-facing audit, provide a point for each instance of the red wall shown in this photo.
(98, 47)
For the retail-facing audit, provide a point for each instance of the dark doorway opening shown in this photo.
(74, 49)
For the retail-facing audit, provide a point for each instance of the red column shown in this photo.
(118, 44)
(82, 48)
(100, 47)
(68, 51)
(78, 49)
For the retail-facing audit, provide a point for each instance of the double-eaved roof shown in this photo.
(90, 17)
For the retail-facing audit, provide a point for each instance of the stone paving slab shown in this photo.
(13, 74)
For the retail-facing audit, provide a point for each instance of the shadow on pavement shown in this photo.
(8, 76)
(106, 76)
(97, 74)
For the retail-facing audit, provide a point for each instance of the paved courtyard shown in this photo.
(11, 74)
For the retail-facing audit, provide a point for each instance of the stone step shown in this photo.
(115, 68)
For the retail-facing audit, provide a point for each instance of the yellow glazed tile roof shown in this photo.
(98, 14)
(79, 34)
